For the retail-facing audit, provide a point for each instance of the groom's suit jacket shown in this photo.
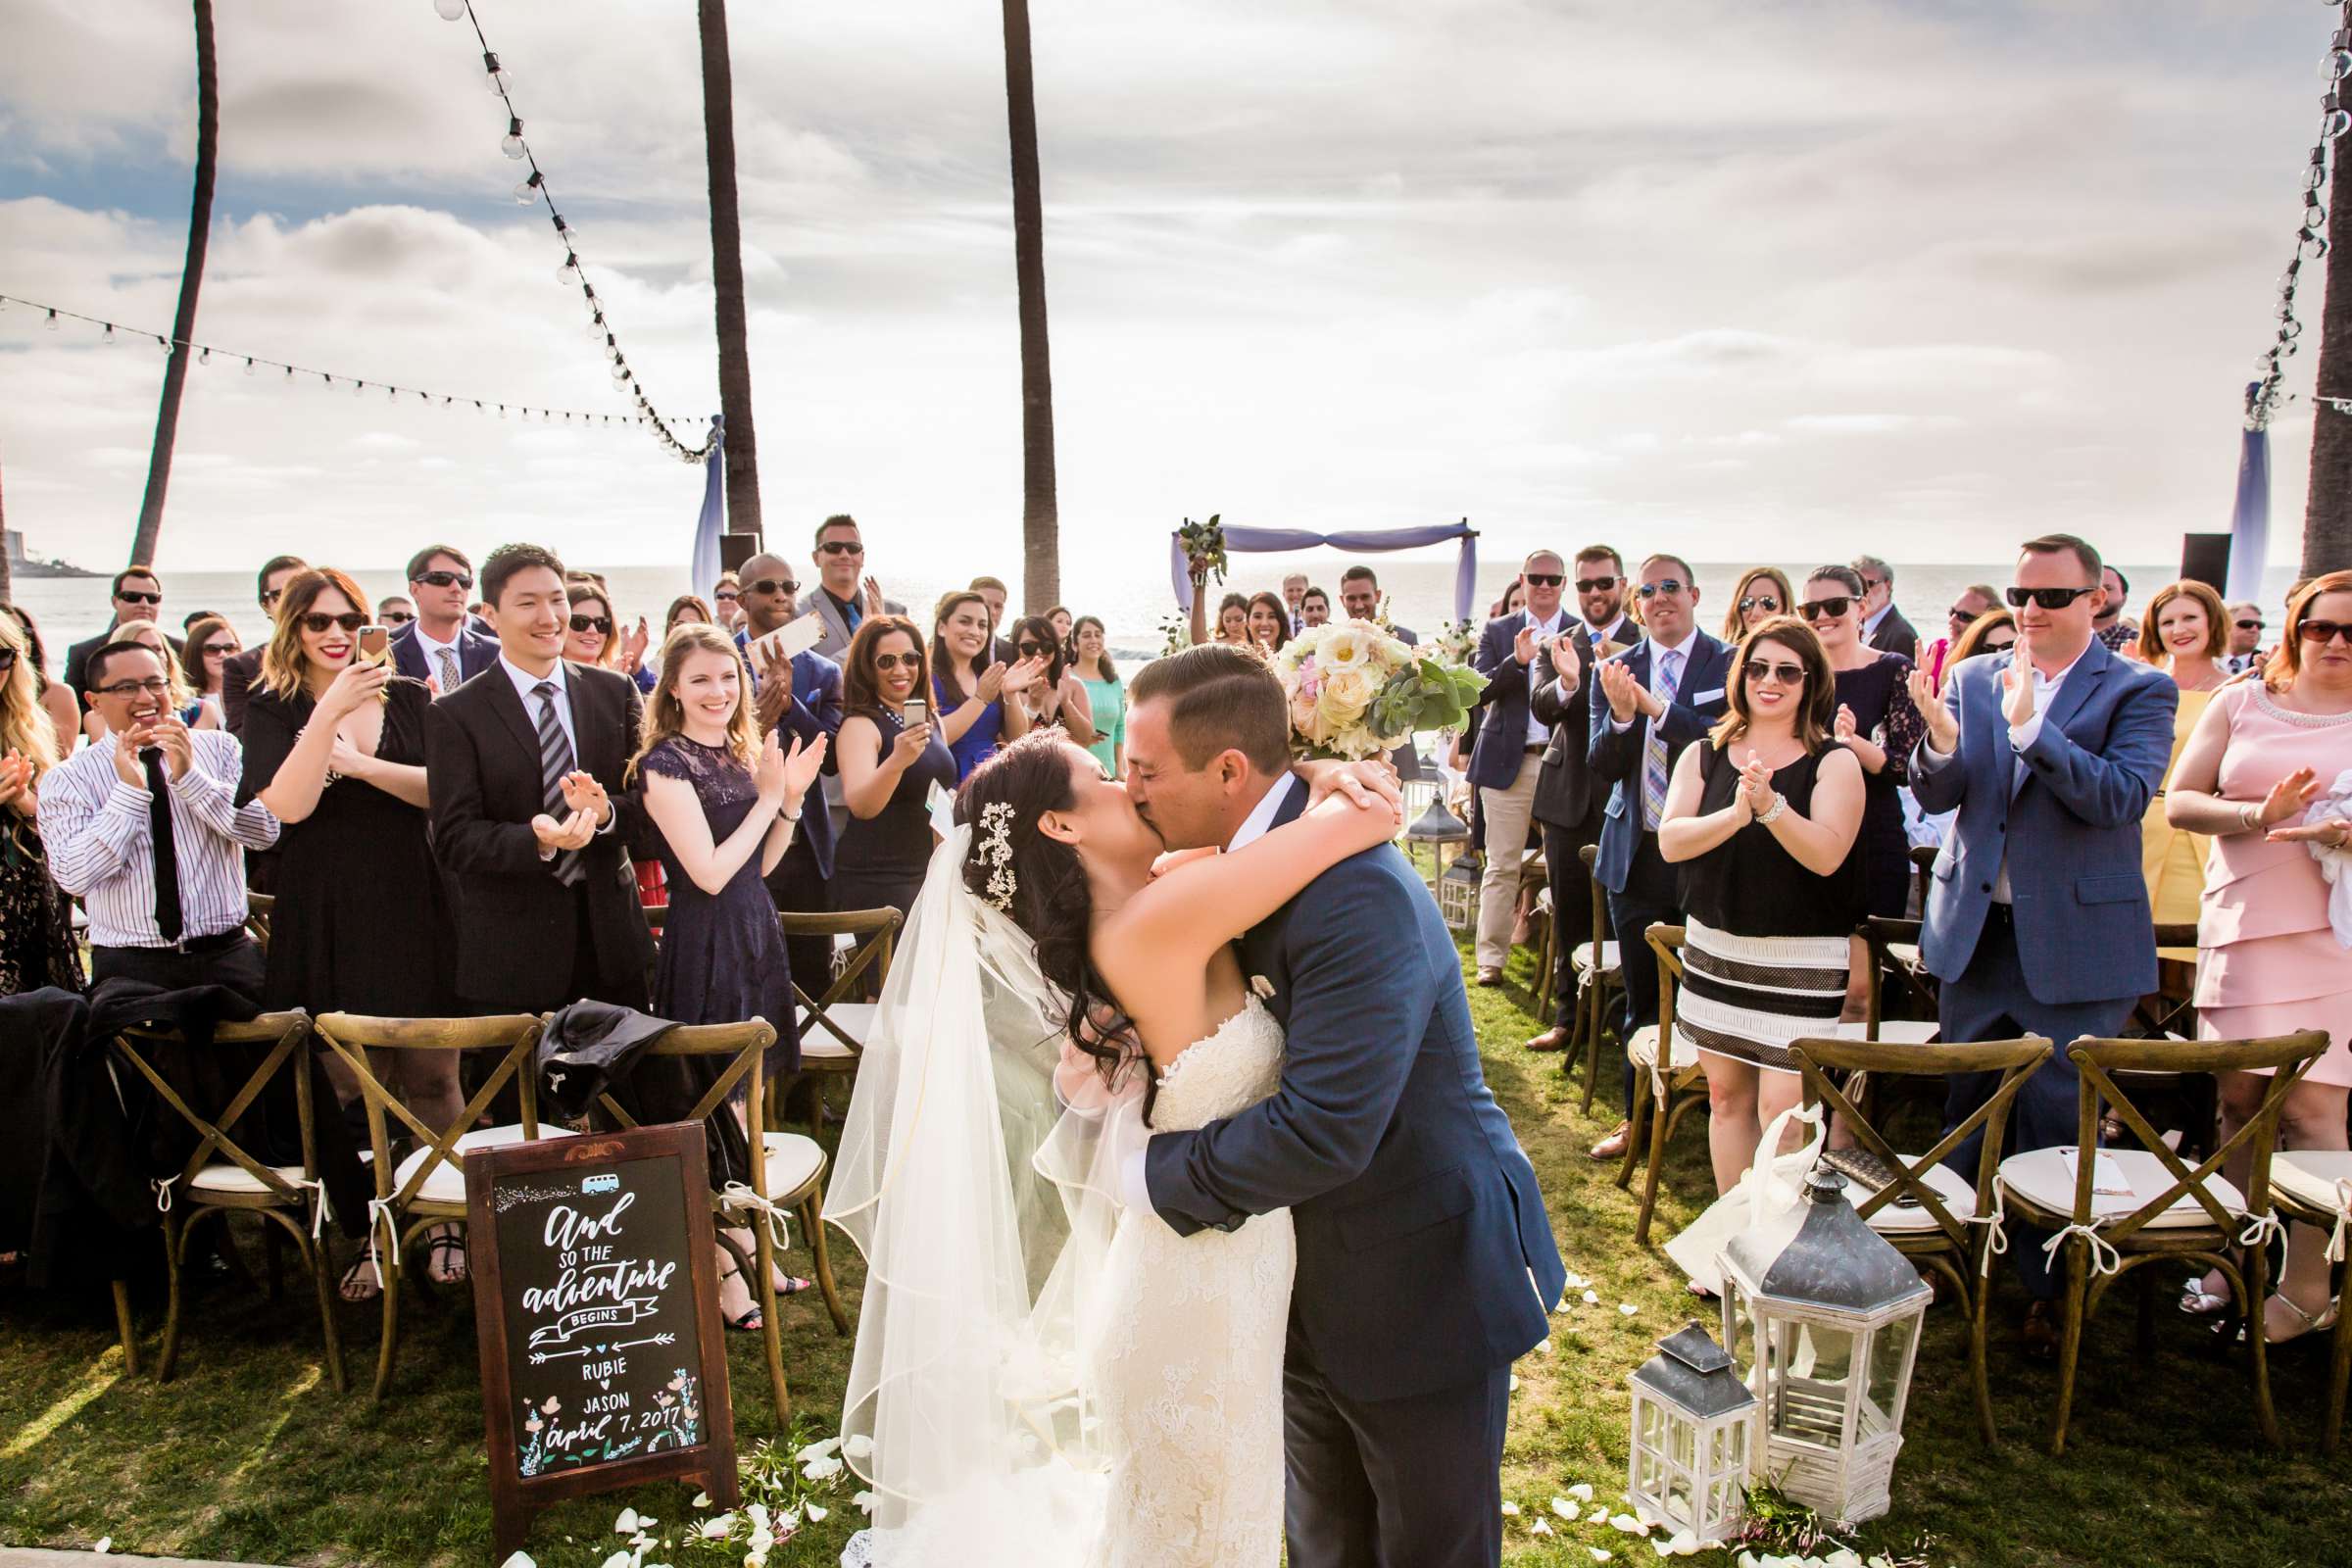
(1425, 1257)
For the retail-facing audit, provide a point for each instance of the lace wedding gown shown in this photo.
(1188, 1356)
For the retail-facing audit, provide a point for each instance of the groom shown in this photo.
(1426, 1263)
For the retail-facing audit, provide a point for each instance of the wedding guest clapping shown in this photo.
(2264, 777)
(969, 691)
(1762, 818)
(1058, 697)
(37, 945)
(1875, 721)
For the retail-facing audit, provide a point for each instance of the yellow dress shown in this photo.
(2172, 861)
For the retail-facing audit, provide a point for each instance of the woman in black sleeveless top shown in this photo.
(1762, 817)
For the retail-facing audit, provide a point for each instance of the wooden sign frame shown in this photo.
(516, 1499)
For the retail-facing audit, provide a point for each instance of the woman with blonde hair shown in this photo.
(36, 920)
(1761, 593)
(2185, 633)
(2266, 778)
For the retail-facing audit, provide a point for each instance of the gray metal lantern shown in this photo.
(1693, 1431)
(1825, 1315)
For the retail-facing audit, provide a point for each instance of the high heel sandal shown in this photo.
(749, 1320)
(2197, 1302)
(2312, 1323)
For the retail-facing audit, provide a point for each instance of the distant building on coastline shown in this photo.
(20, 565)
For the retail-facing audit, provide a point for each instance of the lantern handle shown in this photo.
(1765, 1190)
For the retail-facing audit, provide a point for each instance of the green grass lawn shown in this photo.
(248, 1454)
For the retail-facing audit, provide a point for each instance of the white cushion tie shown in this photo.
(739, 1196)
(2343, 1219)
(2259, 1228)
(2104, 1258)
(1996, 1238)
(163, 1193)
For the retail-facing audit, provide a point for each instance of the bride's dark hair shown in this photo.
(1050, 900)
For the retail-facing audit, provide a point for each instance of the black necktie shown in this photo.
(166, 856)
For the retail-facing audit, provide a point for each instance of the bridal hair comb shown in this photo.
(996, 849)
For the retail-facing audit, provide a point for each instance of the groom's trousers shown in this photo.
(1409, 1483)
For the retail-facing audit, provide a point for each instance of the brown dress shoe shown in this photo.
(2040, 1336)
(1613, 1146)
(1489, 976)
(1555, 1038)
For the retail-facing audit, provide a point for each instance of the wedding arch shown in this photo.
(1356, 541)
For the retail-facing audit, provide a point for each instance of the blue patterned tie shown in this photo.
(555, 760)
(1653, 745)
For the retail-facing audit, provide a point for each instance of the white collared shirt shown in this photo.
(1539, 733)
(1870, 624)
(1658, 664)
(1260, 821)
(526, 687)
(432, 650)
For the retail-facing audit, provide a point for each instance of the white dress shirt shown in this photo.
(1539, 733)
(432, 651)
(100, 843)
(1871, 623)
(1658, 664)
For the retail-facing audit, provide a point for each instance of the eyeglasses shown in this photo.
(131, 596)
(727, 596)
(597, 624)
(1869, 582)
(1786, 674)
(2002, 646)
(397, 617)
(1759, 602)
(2046, 598)
(772, 585)
(1669, 586)
(2249, 625)
(219, 650)
(912, 662)
(1594, 585)
(316, 622)
(1031, 650)
(270, 596)
(2322, 631)
(1833, 606)
(152, 686)
(841, 547)
(1962, 618)
(448, 579)
(1544, 579)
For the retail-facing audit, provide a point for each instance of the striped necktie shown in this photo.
(555, 760)
(1653, 745)
(448, 658)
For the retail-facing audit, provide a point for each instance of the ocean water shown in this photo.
(1131, 599)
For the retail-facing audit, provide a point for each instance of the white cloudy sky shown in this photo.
(1837, 272)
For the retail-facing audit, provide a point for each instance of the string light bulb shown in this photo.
(528, 191)
(512, 143)
(502, 81)
(52, 322)
(569, 272)
(450, 10)
(109, 339)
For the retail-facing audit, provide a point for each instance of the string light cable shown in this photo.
(253, 364)
(2265, 396)
(535, 192)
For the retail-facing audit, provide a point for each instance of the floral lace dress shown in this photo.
(36, 920)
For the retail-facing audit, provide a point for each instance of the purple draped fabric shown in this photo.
(2250, 517)
(1356, 541)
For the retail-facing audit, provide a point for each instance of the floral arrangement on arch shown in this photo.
(1355, 691)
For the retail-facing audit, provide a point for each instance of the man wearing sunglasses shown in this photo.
(2038, 916)
(1569, 795)
(845, 594)
(801, 695)
(1883, 625)
(1657, 698)
(2245, 638)
(1510, 745)
(137, 595)
(441, 645)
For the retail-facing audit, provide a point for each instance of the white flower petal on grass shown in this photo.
(1629, 1524)
(816, 1451)
(1559, 1505)
(1581, 1492)
(1592, 1297)
(1627, 1309)
(626, 1524)
(1510, 1510)
(821, 1468)
(1574, 1282)
(1543, 1346)
(1514, 1383)
(514, 1559)
(106, 1543)
(620, 1559)
(1684, 1545)
(1599, 1555)
(701, 1499)
(1538, 1528)
(814, 1513)
(1842, 1558)
(716, 1527)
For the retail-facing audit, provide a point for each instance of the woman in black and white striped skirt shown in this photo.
(1762, 818)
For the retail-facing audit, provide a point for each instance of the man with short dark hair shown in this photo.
(2037, 919)
(995, 595)
(144, 828)
(241, 671)
(394, 610)
(1883, 625)
(441, 646)
(138, 594)
(799, 694)
(1359, 599)
(531, 818)
(845, 594)
(1314, 608)
(2111, 625)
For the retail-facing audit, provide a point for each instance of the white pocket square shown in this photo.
(1715, 696)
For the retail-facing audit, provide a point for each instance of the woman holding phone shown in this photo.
(890, 756)
(334, 746)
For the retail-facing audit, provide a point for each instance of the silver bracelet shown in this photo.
(1771, 814)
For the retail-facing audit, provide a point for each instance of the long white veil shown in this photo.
(976, 1173)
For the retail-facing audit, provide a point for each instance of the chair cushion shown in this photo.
(1892, 1031)
(854, 1018)
(231, 1177)
(1583, 959)
(793, 1162)
(1645, 1050)
(1905, 954)
(2042, 1176)
(447, 1183)
(2308, 1176)
(1895, 1219)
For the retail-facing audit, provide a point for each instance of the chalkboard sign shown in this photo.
(596, 1303)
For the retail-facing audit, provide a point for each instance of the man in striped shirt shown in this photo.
(142, 825)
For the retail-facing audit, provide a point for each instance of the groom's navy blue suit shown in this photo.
(1426, 1263)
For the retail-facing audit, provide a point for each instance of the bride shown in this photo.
(1041, 1377)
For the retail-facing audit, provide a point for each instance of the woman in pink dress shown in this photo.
(2268, 775)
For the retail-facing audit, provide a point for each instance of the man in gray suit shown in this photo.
(845, 595)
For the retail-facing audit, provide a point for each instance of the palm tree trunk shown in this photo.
(191, 282)
(726, 277)
(1041, 517)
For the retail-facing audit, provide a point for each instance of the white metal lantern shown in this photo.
(1825, 1316)
(1693, 1431)
(1457, 895)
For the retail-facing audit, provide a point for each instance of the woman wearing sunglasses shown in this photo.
(594, 636)
(1762, 817)
(212, 643)
(1873, 717)
(2185, 633)
(1057, 696)
(2263, 775)
(1762, 593)
(890, 761)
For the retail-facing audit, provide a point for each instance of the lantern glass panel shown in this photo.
(1735, 1327)
(1724, 1500)
(1889, 1366)
(1681, 1499)
(1813, 1361)
(1647, 1430)
(1648, 1475)
(1681, 1442)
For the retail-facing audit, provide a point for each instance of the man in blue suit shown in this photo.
(442, 644)
(803, 694)
(1658, 696)
(2037, 919)
(1509, 755)
(1426, 1263)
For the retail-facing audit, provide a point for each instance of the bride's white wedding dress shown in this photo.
(1185, 1354)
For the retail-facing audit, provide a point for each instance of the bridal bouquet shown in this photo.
(1204, 545)
(1356, 692)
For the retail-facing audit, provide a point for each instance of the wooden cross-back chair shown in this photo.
(835, 1018)
(2196, 1215)
(427, 1186)
(1896, 984)
(2314, 1186)
(1947, 1223)
(260, 909)
(220, 1177)
(1599, 975)
(1668, 1081)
